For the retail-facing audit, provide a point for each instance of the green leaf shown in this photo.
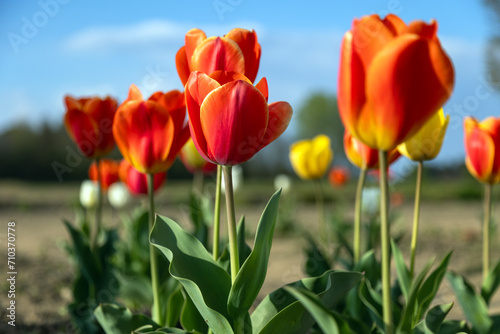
(118, 320)
(435, 317)
(490, 283)
(174, 305)
(252, 274)
(404, 278)
(473, 305)
(203, 279)
(323, 317)
(149, 329)
(86, 260)
(190, 317)
(280, 312)
(406, 322)
(454, 327)
(199, 206)
(316, 261)
(430, 287)
(243, 249)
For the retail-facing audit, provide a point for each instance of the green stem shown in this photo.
(416, 217)
(385, 238)
(215, 251)
(152, 255)
(231, 222)
(98, 210)
(486, 229)
(320, 205)
(357, 215)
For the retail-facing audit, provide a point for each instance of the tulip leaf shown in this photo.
(243, 249)
(206, 283)
(115, 319)
(87, 261)
(149, 330)
(280, 312)
(323, 316)
(190, 316)
(491, 283)
(473, 305)
(404, 278)
(430, 287)
(435, 318)
(252, 274)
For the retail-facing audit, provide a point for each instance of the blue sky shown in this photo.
(53, 47)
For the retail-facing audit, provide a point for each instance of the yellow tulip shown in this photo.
(426, 143)
(311, 158)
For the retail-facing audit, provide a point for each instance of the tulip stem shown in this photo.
(156, 313)
(357, 216)
(231, 222)
(384, 238)
(218, 186)
(320, 205)
(416, 217)
(486, 230)
(98, 210)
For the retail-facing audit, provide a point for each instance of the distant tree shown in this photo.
(320, 114)
(492, 51)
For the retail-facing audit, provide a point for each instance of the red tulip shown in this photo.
(108, 170)
(339, 176)
(136, 181)
(362, 155)
(392, 79)
(238, 51)
(482, 148)
(89, 122)
(151, 133)
(230, 119)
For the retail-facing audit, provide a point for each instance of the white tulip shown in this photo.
(89, 192)
(370, 200)
(118, 195)
(282, 181)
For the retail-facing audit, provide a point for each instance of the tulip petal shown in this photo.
(234, 119)
(217, 53)
(134, 94)
(181, 63)
(193, 38)
(395, 86)
(492, 126)
(280, 114)
(247, 41)
(81, 129)
(262, 87)
(198, 86)
(370, 35)
(423, 29)
(351, 84)
(480, 150)
(223, 77)
(395, 24)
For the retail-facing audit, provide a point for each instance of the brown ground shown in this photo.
(45, 274)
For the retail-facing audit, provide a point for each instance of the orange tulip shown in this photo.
(230, 119)
(89, 122)
(392, 79)
(362, 155)
(339, 176)
(136, 181)
(109, 172)
(482, 148)
(238, 51)
(151, 133)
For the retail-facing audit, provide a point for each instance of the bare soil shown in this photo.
(45, 273)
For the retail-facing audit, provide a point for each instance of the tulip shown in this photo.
(338, 176)
(89, 123)
(108, 172)
(283, 182)
(136, 181)
(118, 195)
(227, 103)
(392, 79)
(193, 161)
(151, 133)
(426, 143)
(310, 158)
(238, 51)
(362, 155)
(482, 158)
(482, 149)
(88, 194)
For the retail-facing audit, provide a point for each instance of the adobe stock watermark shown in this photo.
(153, 80)
(31, 25)
(224, 6)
